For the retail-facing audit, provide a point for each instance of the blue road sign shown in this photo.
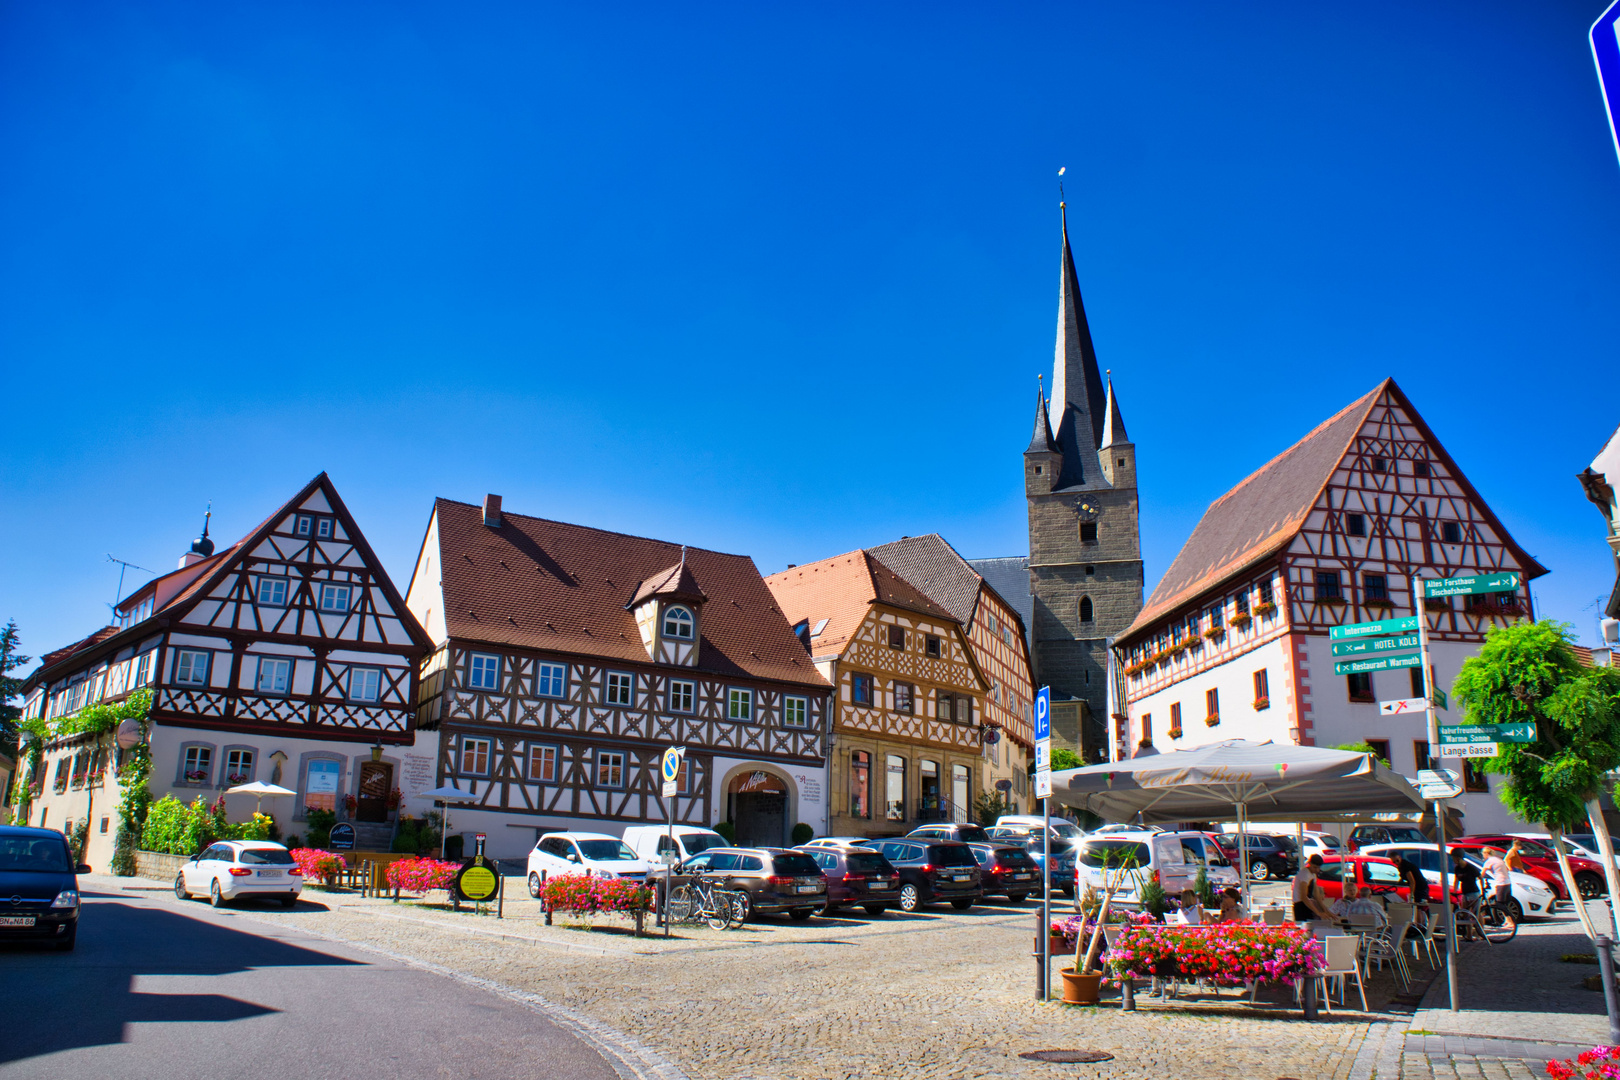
(1043, 713)
(1605, 38)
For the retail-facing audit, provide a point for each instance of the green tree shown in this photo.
(1064, 758)
(1361, 748)
(1528, 673)
(10, 687)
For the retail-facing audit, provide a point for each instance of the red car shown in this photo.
(1540, 862)
(1371, 873)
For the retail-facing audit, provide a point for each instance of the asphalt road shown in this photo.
(169, 991)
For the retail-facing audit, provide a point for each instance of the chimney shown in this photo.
(492, 511)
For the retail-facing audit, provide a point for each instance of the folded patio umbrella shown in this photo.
(447, 795)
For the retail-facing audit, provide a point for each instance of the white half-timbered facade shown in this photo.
(289, 657)
(568, 659)
(1234, 641)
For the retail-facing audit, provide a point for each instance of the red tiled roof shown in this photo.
(552, 586)
(677, 583)
(842, 590)
(58, 655)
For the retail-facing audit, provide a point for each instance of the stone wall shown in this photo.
(159, 866)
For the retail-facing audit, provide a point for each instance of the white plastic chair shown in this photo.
(1342, 953)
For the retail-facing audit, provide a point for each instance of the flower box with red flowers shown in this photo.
(1226, 954)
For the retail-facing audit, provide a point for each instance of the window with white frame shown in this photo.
(334, 597)
(551, 680)
(609, 769)
(739, 704)
(272, 591)
(796, 711)
(191, 667)
(238, 766)
(303, 525)
(143, 667)
(620, 688)
(199, 764)
(323, 528)
(543, 764)
(365, 684)
(682, 692)
(678, 623)
(484, 671)
(474, 756)
(275, 675)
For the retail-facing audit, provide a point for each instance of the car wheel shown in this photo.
(1515, 910)
(909, 900)
(180, 892)
(1260, 872)
(1591, 886)
(799, 914)
(1017, 897)
(961, 905)
(534, 885)
(66, 944)
(875, 910)
(214, 896)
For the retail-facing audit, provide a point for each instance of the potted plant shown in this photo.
(1082, 984)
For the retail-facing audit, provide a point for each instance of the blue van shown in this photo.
(39, 887)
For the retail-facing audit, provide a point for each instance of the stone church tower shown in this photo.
(1085, 550)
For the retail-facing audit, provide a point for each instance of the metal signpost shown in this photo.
(1043, 791)
(670, 770)
(1605, 38)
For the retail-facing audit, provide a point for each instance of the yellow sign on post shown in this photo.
(477, 883)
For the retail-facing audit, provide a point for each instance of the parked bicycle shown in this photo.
(703, 900)
(1492, 921)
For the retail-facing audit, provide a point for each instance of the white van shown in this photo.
(1176, 856)
(648, 840)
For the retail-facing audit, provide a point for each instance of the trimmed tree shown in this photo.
(1527, 673)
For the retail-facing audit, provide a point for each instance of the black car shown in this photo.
(932, 871)
(856, 875)
(1269, 856)
(1007, 870)
(39, 892)
(964, 832)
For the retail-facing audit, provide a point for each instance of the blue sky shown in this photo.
(776, 279)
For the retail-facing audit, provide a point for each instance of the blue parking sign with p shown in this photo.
(1043, 713)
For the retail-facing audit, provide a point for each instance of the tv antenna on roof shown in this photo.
(123, 565)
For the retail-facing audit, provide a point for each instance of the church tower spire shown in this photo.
(1077, 405)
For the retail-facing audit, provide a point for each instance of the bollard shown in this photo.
(1040, 975)
(1308, 997)
(1127, 995)
(1605, 960)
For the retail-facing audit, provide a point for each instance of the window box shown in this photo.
(1216, 633)
(1175, 733)
(1370, 605)
(1144, 744)
(1336, 600)
(196, 776)
(1437, 603)
(1175, 650)
(1264, 607)
(236, 778)
(1211, 721)
(1262, 703)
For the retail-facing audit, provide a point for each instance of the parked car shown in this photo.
(592, 854)
(964, 831)
(774, 879)
(1204, 849)
(1582, 851)
(649, 841)
(1374, 875)
(838, 842)
(1585, 844)
(1006, 870)
(1541, 863)
(1100, 856)
(1270, 856)
(1320, 843)
(1063, 851)
(856, 875)
(1060, 826)
(933, 871)
(1385, 834)
(1529, 895)
(235, 869)
(38, 875)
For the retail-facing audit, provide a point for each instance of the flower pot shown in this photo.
(1081, 989)
(1060, 946)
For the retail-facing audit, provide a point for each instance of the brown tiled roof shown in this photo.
(934, 567)
(1259, 516)
(677, 582)
(551, 586)
(842, 590)
(58, 655)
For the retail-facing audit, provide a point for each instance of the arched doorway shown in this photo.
(757, 805)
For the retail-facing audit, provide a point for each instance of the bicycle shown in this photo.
(1492, 921)
(702, 900)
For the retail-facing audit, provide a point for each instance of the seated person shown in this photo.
(1192, 912)
(1231, 907)
(1353, 904)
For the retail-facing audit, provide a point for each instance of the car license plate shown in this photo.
(1022, 877)
(269, 873)
(960, 877)
(807, 888)
(16, 920)
(881, 885)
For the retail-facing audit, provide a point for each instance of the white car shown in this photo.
(588, 853)
(1530, 893)
(1321, 843)
(1061, 827)
(235, 869)
(839, 843)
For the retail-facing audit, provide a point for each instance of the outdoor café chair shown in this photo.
(1380, 946)
(1341, 951)
(1273, 916)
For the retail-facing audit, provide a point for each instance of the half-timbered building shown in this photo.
(1000, 647)
(907, 737)
(288, 657)
(1234, 642)
(567, 659)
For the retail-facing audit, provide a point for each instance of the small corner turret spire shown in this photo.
(1041, 440)
(1113, 432)
(203, 545)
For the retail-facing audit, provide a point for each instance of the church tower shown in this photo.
(1085, 550)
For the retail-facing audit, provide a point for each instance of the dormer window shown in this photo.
(678, 623)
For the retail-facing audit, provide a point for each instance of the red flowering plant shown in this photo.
(1227, 954)
(314, 863)
(421, 875)
(1598, 1063)
(581, 894)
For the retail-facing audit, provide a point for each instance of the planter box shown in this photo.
(158, 865)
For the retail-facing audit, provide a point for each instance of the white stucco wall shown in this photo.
(1239, 718)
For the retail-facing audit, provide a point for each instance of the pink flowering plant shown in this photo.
(581, 894)
(314, 863)
(421, 875)
(1598, 1063)
(1227, 954)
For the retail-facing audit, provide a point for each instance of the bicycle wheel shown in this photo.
(1500, 926)
(682, 904)
(739, 907)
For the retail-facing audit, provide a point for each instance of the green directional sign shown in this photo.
(1382, 628)
(1439, 698)
(1519, 733)
(1503, 581)
(1466, 734)
(1376, 646)
(1375, 663)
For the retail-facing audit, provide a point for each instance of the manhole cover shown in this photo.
(1067, 1057)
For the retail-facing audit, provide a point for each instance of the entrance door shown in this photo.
(961, 788)
(376, 781)
(759, 809)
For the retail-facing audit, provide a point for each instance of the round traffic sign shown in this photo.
(476, 883)
(672, 763)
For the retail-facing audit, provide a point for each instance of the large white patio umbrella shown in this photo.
(259, 789)
(447, 795)
(1238, 781)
